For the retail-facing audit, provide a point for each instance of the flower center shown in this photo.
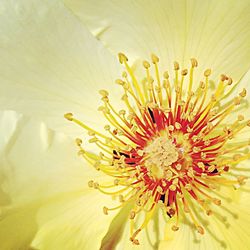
(171, 146)
(159, 156)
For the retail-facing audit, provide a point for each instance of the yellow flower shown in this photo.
(174, 165)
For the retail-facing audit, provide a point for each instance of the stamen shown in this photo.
(167, 152)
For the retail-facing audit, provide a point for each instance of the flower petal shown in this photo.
(41, 175)
(227, 228)
(76, 223)
(51, 64)
(215, 32)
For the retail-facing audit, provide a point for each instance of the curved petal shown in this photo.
(41, 175)
(217, 33)
(50, 63)
(227, 228)
(77, 223)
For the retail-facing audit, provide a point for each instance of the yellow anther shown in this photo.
(237, 101)
(196, 149)
(217, 202)
(172, 187)
(124, 97)
(116, 182)
(229, 81)
(103, 92)
(188, 187)
(202, 85)
(159, 189)
(105, 210)
(177, 125)
(124, 74)
(209, 212)
(91, 183)
(201, 165)
(91, 133)
(176, 66)
(175, 228)
(146, 64)
(223, 77)
(140, 152)
(122, 58)
(69, 116)
(207, 72)
(166, 75)
(200, 230)
(241, 118)
(194, 62)
(248, 123)
(78, 142)
(243, 93)
(184, 72)
(96, 185)
(154, 58)
(211, 168)
(81, 152)
(119, 81)
(178, 166)
(241, 179)
(122, 112)
(236, 157)
(121, 198)
(171, 128)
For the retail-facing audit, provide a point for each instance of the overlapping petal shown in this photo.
(215, 32)
(50, 63)
(44, 191)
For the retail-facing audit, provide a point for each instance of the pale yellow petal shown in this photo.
(51, 64)
(227, 228)
(77, 223)
(8, 123)
(41, 170)
(215, 32)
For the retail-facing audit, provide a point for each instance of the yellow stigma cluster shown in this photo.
(171, 146)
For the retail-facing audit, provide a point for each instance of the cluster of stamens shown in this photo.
(169, 146)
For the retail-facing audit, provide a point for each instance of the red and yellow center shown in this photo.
(170, 146)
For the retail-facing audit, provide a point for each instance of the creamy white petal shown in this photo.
(77, 223)
(42, 175)
(50, 63)
(217, 33)
(8, 123)
(228, 228)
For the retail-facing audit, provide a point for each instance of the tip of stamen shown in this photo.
(68, 116)
(146, 64)
(91, 183)
(166, 75)
(132, 215)
(176, 66)
(223, 77)
(243, 93)
(184, 72)
(155, 59)
(103, 92)
(200, 230)
(105, 210)
(122, 58)
(175, 228)
(119, 82)
(194, 62)
(78, 142)
(207, 72)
